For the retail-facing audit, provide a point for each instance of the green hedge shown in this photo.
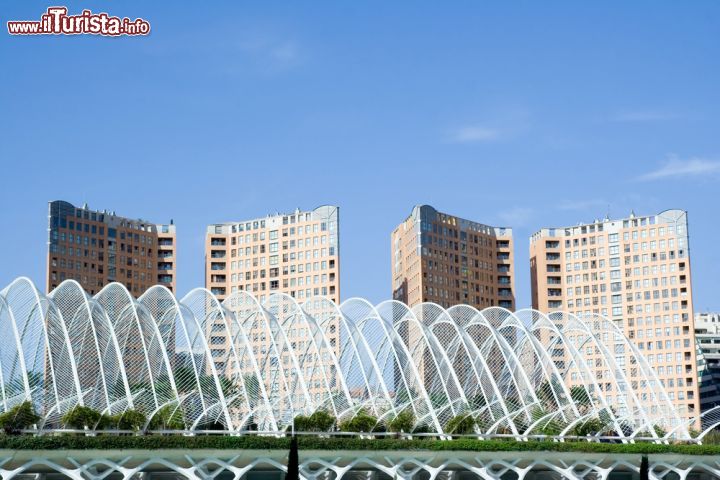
(154, 442)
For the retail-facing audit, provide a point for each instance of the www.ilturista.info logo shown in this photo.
(57, 22)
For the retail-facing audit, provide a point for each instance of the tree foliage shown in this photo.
(81, 417)
(361, 422)
(130, 419)
(463, 424)
(403, 422)
(320, 421)
(580, 396)
(591, 426)
(711, 438)
(167, 418)
(18, 418)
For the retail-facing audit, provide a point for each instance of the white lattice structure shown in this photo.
(329, 465)
(516, 373)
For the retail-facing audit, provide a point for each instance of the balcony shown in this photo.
(165, 278)
(503, 268)
(552, 244)
(553, 268)
(217, 242)
(503, 256)
(217, 254)
(165, 242)
(554, 281)
(504, 292)
(165, 266)
(218, 290)
(552, 256)
(504, 280)
(554, 292)
(217, 266)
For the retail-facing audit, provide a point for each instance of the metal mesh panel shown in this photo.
(246, 365)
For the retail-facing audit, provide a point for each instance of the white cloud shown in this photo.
(475, 133)
(516, 216)
(676, 167)
(638, 116)
(286, 52)
(583, 204)
(272, 53)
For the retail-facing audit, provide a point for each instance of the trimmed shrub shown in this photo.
(18, 418)
(227, 442)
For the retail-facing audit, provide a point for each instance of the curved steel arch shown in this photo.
(243, 359)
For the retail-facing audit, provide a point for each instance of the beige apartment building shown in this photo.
(297, 254)
(635, 272)
(441, 258)
(95, 248)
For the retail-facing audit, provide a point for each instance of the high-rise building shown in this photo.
(297, 254)
(95, 248)
(448, 260)
(636, 273)
(707, 336)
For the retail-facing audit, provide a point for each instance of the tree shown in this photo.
(463, 424)
(478, 401)
(320, 421)
(403, 422)
(659, 431)
(362, 422)
(19, 417)
(588, 427)
(81, 417)
(580, 398)
(167, 418)
(130, 419)
(293, 465)
(711, 438)
(252, 386)
(644, 468)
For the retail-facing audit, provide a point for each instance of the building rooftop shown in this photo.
(666, 216)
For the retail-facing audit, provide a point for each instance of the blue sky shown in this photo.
(524, 114)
